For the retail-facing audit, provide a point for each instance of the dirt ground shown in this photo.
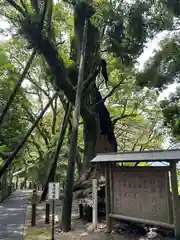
(81, 230)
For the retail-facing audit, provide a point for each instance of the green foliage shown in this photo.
(14, 126)
(171, 112)
(128, 25)
(163, 68)
(136, 115)
(125, 27)
(3, 58)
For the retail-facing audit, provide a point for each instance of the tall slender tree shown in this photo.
(67, 203)
(23, 141)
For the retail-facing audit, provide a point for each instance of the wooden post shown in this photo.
(47, 213)
(9, 190)
(30, 185)
(95, 204)
(170, 209)
(111, 184)
(108, 203)
(33, 215)
(25, 184)
(34, 185)
(17, 182)
(174, 185)
(81, 214)
(33, 212)
(53, 219)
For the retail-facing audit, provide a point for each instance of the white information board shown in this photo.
(53, 193)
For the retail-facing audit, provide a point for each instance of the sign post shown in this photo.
(53, 195)
(94, 203)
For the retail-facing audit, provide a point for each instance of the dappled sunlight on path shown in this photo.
(12, 215)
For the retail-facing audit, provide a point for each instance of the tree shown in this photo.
(18, 84)
(171, 112)
(68, 196)
(24, 139)
(115, 31)
(15, 126)
(51, 175)
(164, 70)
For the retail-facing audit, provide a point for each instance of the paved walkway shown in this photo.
(12, 215)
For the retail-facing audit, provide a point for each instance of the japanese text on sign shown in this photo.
(142, 194)
(53, 193)
(94, 194)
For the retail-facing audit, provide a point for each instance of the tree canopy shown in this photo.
(119, 107)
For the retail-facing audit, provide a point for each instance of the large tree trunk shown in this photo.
(98, 133)
(100, 141)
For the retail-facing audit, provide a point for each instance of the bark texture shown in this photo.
(98, 134)
(68, 196)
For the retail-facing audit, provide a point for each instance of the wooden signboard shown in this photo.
(141, 192)
(53, 191)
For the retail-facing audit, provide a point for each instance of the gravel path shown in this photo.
(81, 230)
(12, 215)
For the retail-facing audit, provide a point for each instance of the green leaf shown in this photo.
(8, 66)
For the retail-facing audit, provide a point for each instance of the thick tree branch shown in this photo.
(20, 145)
(50, 53)
(114, 121)
(113, 90)
(32, 119)
(24, 6)
(49, 20)
(110, 93)
(17, 7)
(37, 145)
(43, 14)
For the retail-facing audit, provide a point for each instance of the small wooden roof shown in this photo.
(140, 156)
